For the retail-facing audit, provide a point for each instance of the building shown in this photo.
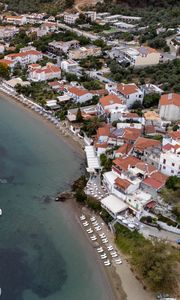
(87, 113)
(79, 95)
(141, 57)
(150, 88)
(71, 18)
(70, 66)
(16, 20)
(109, 105)
(58, 47)
(142, 145)
(113, 205)
(7, 32)
(169, 163)
(124, 27)
(130, 92)
(84, 52)
(48, 72)
(91, 15)
(169, 107)
(25, 57)
(7, 62)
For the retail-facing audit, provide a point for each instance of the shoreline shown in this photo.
(121, 278)
(116, 277)
(61, 132)
(110, 278)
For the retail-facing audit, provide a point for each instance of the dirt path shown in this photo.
(81, 3)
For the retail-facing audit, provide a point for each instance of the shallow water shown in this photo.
(43, 253)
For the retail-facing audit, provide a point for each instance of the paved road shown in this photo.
(148, 231)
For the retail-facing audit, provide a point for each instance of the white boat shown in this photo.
(0, 212)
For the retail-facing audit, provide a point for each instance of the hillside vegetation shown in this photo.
(50, 6)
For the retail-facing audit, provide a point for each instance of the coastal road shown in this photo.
(91, 36)
(148, 231)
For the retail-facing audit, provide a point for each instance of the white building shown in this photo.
(84, 52)
(130, 93)
(79, 95)
(169, 163)
(26, 57)
(141, 57)
(169, 107)
(124, 27)
(71, 18)
(60, 46)
(16, 20)
(48, 72)
(69, 66)
(8, 31)
(113, 205)
(91, 14)
(111, 106)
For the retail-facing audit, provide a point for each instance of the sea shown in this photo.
(44, 254)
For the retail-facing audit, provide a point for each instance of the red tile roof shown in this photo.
(77, 91)
(125, 163)
(23, 54)
(127, 89)
(145, 167)
(124, 149)
(6, 62)
(109, 100)
(143, 143)
(104, 131)
(150, 129)
(153, 183)
(168, 99)
(122, 183)
(131, 134)
(175, 135)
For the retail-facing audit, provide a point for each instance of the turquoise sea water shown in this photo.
(43, 253)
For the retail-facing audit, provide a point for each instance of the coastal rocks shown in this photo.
(62, 197)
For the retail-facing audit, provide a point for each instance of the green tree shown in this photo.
(4, 71)
(151, 100)
(79, 117)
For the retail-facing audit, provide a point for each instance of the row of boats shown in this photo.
(110, 252)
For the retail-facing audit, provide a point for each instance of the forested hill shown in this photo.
(23, 6)
(147, 3)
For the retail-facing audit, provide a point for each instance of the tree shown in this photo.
(151, 100)
(137, 104)
(4, 71)
(79, 117)
(173, 183)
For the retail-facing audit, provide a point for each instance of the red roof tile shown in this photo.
(77, 91)
(122, 183)
(143, 143)
(127, 89)
(168, 99)
(109, 100)
(125, 163)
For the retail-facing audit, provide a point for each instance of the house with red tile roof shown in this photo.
(79, 94)
(48, 72)
(16, 20)
(7, 62)
(123, 150)
(25, 57)
(130, 93)
(169, 107)
(143, 145)
(111, 106)
(169, 163)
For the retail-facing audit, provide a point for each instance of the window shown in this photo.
(164, 167)
(164, 161)
(172, 171)
(173, 164)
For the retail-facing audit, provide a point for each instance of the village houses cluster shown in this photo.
(141, 163)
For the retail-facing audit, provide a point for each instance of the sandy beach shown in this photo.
(120, 282)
